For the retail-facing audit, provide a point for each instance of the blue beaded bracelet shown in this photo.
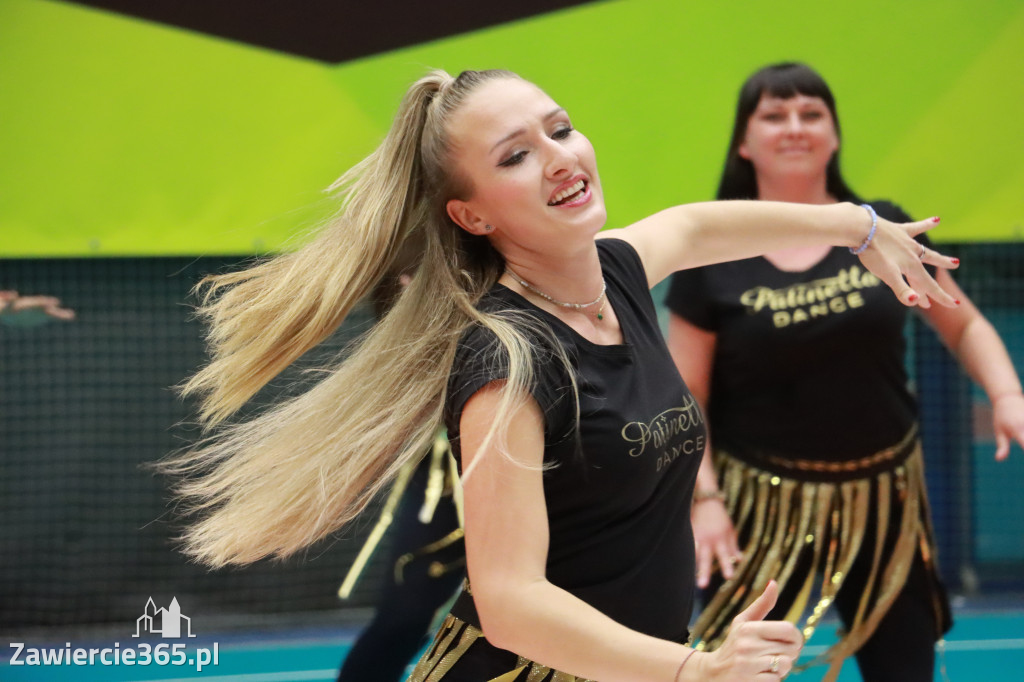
(871, 233)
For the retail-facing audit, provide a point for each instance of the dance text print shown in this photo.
(665, 435)
(809, 300)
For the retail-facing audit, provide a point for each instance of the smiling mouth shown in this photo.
(569, 193)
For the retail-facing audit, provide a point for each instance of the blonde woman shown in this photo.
(536, 343)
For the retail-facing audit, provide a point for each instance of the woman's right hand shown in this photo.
(755, 649)
(899, 261)
(715, 537)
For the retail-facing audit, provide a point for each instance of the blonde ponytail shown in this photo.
(290, 476)
(264, 318)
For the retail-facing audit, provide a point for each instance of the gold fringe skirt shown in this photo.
(453, 641)
(805, 534)
(442, 480)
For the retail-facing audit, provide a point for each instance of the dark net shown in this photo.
(86, 531)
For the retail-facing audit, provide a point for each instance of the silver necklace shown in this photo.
(601, 298)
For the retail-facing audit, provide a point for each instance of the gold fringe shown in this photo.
(437, 569)
(452, 642)
(435, 478)
(387, 515)
(794, 528)
(441, 478)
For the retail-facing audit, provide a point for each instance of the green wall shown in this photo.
(123, 137)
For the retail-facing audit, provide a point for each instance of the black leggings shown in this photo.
(902, 648)
(405, 611)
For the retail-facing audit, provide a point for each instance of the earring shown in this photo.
(489, 228)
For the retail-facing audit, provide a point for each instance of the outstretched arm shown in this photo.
(12, 304)
(691, 235)
(506, 550)
(976, 344)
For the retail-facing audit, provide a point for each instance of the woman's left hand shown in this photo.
(1008, 423)
(715, 538)
(898, 260)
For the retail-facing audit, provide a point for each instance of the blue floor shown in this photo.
(984, 645)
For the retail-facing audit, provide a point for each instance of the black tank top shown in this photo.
(618, 491)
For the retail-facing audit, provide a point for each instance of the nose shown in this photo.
(794, 124)
(560, 161)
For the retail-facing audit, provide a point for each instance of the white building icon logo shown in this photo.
(165, 622)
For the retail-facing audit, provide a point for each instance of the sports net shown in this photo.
(86, 533)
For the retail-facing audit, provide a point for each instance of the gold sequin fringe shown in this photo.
(794, 530)
(452, 642)
(442, 477)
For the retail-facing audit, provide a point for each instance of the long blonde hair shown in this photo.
(295, 473)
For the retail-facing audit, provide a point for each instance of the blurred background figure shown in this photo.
(17, 310)
(798, 360)
(428, 563)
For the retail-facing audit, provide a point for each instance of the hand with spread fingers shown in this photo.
(898, 260)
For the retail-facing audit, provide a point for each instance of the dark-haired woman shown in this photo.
(813, 472)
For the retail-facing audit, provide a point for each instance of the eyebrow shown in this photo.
(519, 131)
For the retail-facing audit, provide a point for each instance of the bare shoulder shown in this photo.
(655, 241)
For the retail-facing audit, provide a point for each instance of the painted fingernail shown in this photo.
(912, 298)
(956, 261)
(956, 300)
(936, 219)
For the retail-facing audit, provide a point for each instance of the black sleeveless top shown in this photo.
(618, 490)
